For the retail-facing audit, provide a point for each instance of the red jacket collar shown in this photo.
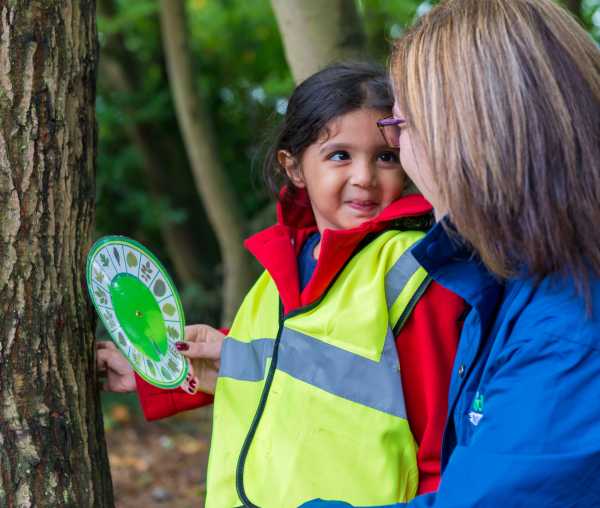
(276, 248)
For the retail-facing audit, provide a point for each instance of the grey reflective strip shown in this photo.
(373, 384)
(399, 275)
(245, 360)
(389, 355)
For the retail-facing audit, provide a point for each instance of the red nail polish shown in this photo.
(182, 346)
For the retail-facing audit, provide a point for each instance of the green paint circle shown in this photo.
(139, 315)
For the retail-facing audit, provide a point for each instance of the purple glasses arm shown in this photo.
(384, 122)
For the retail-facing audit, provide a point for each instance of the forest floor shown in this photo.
(156, 464)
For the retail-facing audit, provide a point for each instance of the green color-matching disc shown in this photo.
(139, 306)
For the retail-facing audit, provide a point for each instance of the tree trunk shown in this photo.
(52, 448)
(316, 33)
(211, 180)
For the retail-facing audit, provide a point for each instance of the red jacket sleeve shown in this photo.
(157, 403)
(426, 348)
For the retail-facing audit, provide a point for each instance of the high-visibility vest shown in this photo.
(310, 404)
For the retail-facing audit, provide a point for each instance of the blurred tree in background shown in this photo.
(212, 181)
(240, 73)
(316, 33)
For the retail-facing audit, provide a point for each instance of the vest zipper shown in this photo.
(239, 473)
(411, 304)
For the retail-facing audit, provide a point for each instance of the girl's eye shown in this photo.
(390, 156)
(340, 155)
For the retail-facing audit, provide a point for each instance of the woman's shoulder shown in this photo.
(556, 309)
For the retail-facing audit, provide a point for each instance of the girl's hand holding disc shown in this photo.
(203, 348)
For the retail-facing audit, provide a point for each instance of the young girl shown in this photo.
(343, 337)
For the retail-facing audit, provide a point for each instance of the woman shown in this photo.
(498, 107)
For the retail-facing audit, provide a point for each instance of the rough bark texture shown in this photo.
(316, 33)
(211, 180)
(52, 450)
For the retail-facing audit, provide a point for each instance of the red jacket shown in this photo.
(426, 344)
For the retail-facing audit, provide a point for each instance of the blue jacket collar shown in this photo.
(455, 266)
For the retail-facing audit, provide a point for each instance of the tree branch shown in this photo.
(316, 33)
(213, 185)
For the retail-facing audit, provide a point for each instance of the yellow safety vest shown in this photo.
(310, 404)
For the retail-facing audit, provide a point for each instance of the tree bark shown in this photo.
(211, 181)
(316, 33)
(52, 448)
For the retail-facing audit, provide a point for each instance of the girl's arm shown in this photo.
(121, 378)
(157, 403)
(426, 348)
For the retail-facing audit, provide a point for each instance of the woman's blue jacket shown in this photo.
(523, 425)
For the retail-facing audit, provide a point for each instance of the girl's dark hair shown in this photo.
(332, 92)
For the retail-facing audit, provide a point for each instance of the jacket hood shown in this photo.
(294, 211)
(276, 248)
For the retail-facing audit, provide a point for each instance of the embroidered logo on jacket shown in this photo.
(476, 413)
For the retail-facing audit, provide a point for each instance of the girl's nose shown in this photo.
(363, 174)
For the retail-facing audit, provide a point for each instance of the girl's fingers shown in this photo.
(185, 386)
(202, 333)
(102, 359)
(200, 350)
(107, 355)
(190, 370)
(105, 344)
(190, 387)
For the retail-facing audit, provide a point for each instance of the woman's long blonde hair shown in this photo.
(505, 96)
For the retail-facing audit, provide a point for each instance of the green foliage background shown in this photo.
(243, 78)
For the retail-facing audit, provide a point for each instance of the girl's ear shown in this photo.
(291, 167)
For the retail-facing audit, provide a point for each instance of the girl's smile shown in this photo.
(362, 206)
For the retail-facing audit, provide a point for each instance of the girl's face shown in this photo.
(350, 174)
